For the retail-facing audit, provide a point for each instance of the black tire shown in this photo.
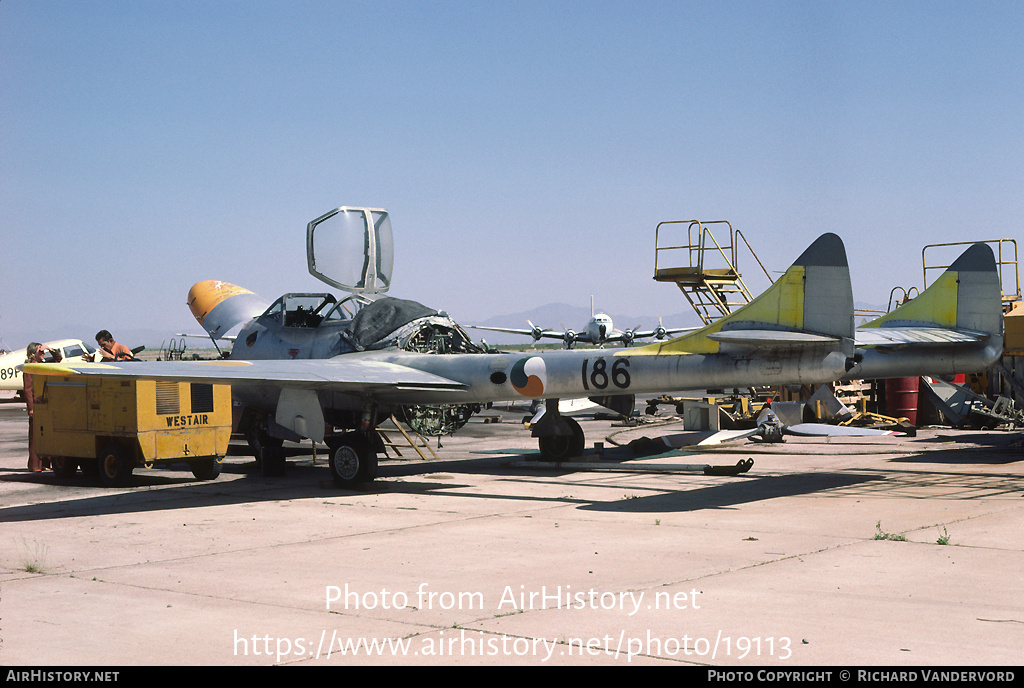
(352, 460)
(115, 465)
(579, 440)
(273, 463)
(260, 441)
(563, 447)
(63, 467)
(206, 469)
(90, 469)
(368, 471)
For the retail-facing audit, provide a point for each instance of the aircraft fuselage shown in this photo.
(874, 363)
(590, 372)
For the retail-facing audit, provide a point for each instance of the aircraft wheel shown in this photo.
(273, 463)
(553, 447)
(63, 467)
(115, 466)
(353, 460)
(579, 440)
(260, 441)
(206, 469)
(562, 447)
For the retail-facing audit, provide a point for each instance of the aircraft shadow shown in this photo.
(733, 492)
(304, 480)
(999, 455)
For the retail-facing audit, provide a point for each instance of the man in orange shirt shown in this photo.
(109, 349)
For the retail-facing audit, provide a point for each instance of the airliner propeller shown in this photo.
(629, 335)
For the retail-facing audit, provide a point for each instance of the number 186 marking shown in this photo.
(598, 376)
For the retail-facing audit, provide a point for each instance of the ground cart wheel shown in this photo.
(63, 467)
(206, 469)
(115, 466)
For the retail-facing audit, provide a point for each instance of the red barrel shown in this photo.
(901, 398)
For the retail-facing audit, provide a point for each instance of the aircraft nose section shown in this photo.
(204, 296)
(219, 306)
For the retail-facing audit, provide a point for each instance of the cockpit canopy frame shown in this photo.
(352, 248)
(309, 309)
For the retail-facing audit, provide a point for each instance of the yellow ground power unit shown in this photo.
(110, 426)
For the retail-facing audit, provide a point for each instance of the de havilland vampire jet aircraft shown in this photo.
(310, 366)
(598, 331)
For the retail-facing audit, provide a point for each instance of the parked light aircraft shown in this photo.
(599, 331)
(11, 362)
(310, 363)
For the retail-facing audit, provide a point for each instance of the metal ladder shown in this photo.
(1003, 249)
(412, 439)
(704, 269)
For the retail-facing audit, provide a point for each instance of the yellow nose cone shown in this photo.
(204, 296)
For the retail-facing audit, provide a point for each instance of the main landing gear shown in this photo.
(560, 438)
(266, 449)
(353, 457)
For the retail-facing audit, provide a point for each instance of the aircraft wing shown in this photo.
(769, 337)
(229, 337)
(918, 336)
(537, 333)
(665, 332)
(350, 373)
(512, 330)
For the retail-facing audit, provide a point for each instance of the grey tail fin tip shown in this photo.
(978, 258)
(827, 250)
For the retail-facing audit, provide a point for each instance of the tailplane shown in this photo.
(966, 297)
(954, 326)
(811, 304)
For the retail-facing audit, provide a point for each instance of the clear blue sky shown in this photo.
(526, 150)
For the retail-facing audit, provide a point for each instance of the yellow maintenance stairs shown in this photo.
(705, 269)
(1005, 251)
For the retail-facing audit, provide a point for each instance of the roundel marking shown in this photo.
(529, 376)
